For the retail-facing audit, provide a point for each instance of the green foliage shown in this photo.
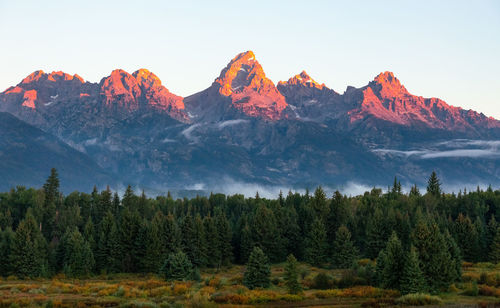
(322, 281)
(412, 279)
(495, 247)
(178, 267)
(344, 252)
(291, 275)
(28, 256)
(436, 261)
(419, 299)
(316, 245)
(433, 185)
(393, 264)
(258, 271)
(78, 259)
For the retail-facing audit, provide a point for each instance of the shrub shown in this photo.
(418, 299)
(471, 289)
(230, 298)
(470, 277)
(322, 281)
(177, 267)
(200, 301)
(276, 281)
(487, 290)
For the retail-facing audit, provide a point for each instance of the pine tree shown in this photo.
(78, 259)
(433, 185)
(89, 234)
(224, 239)
(156, 250)
(116, 204)
(258, 271)
(108, 248)
(6, 243)
(316, 245)
(414, 191)
(265, 233)
(291, 275)
(29, 250)
(199, 248)
(412, 279)
(319, 203)
(177, 267)
(468, 238)
(212, 241)
(246, 243)
(379, 268)
(129, 229)
(129, 197)
(188, 241)
(495, 248)
(376, 233)
(344, 252)
(491, 231)
(435, 259)
(52, 194)
(456, 258)
(393, 263)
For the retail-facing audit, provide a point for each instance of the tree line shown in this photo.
(417, 239)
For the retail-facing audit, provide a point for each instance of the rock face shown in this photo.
(241, 88)
(310, 100)
(387, 99)
(299, 133)
(27, 154)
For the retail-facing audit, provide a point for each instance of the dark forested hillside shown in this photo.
(426, 231)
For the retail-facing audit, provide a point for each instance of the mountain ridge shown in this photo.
(246, 127)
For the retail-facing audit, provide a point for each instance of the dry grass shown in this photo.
(224, 288)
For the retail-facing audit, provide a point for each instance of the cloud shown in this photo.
(470, 153)
(221, 125)
(187, 133)
(168, 140)
(459, 148)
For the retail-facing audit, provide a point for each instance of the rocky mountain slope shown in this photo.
(27, 154)
(245, 128)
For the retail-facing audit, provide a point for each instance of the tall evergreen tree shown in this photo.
(433, 185)
(78, 259)
(52, 194)
(258, 271)
(344, 251)
(437, 264)
(291, 275)
(393, 263)
(29, 250)
(412, 279)
(316, 245)
(7, 238)
(495, 248)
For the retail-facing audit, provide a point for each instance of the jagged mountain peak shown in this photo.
(388, 85)
(55, 76)
(243, 71)
(302, 79)
(244, 88)
(146, 78)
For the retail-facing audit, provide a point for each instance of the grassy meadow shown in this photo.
(480, 286)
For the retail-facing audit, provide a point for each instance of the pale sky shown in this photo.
(445, 49)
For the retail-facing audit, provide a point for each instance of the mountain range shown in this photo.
(130, 129)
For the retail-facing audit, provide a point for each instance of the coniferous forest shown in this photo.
(412, 243)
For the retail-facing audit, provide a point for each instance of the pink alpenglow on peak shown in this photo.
(244, 81)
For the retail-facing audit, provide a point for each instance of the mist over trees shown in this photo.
(418, 239)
